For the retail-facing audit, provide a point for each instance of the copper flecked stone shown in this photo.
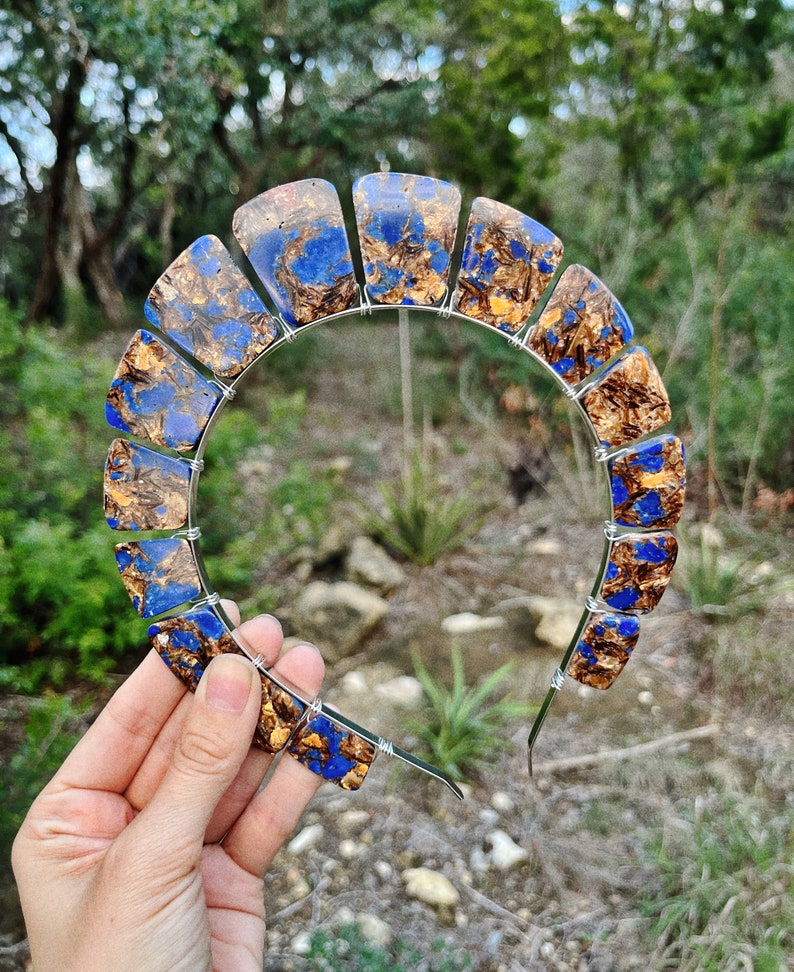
(508, 260)
(628, 400)
(406, 227)
(144, 490)
(156, 395)
(604, 647)
(206, 306)
(333, 752)
(187, 643)
(648, 483)
(159, 574)
(581, 326)
(638, 571)
(294, 235)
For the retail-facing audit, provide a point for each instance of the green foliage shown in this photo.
(50, 732)
(346, 950)
(423, 520)
(463, 725)
(60, 595)
(257, 479)
(725, 895)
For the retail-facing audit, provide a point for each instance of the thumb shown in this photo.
(215, 739)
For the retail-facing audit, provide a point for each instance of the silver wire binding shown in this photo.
(610, 529)
(313, 709)
(192, 533)
(197, 465)
(601, 453)
(210, 600)
(227, 392)
(385, 746)
(591, 603)
(558, 679)
(259, 663)
(289, 332)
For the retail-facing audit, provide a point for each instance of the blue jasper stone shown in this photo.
(159, 574)
(294, 236)
(206, 306)
(406, 227)
(649, 483)
(144, 490)
(158, 396)
(508, 260)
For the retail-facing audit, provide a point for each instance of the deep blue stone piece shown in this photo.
(156, 395)
(204, 303)
(159, 574)
(294, 235)
(406, 227)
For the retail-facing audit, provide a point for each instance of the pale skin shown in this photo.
(148, 848)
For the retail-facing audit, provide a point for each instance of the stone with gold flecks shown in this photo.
(648, 483)
(156, 395)
(143, 489)
(629, 400)
(406, 227)
(294, 235)
(188, 642)
(205, 304)
(604, 647)
(508, 260)
(638, 571)
(581, 326)
(159, 574)
(333, 752)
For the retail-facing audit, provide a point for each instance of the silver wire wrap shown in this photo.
(558, 679)
(197, 465)
(385, 746)
(227, 392)
(209, 601)
(192, 533)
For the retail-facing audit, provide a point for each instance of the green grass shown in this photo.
(463, 725)
(725, 896)
(424, 520)
(345, 950)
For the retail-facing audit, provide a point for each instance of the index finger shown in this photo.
(109, 754)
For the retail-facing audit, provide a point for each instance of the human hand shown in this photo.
(148, 848)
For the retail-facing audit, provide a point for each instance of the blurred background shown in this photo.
(655, 139)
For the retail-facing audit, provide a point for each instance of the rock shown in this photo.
(502, 802)
(306, 839)
(505, 852)
(335, 542)
(301, 944)
(430, 887)
(549, 621)
(402, 690)
(370, 565)
(375, 930)
(544, 547)
(337, 616)
(468, 623)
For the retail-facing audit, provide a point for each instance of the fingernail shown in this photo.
(228, 683)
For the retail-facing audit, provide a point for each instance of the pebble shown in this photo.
(545, 547)
(505, 852)
(402, 690)
(306, 839)
(502, 802)
(354, 682)
(375, 930)
(301, 944)
(430, 887)
(468, 623)
(348, 849)
(384, 870)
